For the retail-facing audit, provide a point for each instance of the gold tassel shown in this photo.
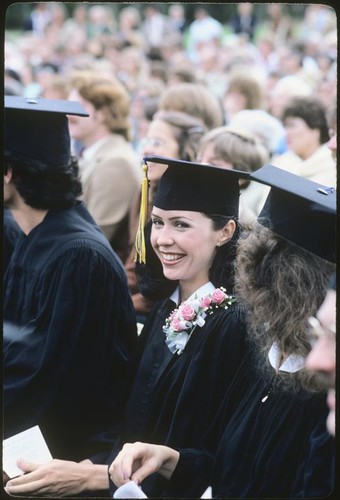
(143, 213)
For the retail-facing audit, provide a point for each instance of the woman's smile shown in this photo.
(171, 258)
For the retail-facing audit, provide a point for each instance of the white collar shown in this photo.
(201, 292)
(292, 364)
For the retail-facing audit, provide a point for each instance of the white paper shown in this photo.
(129, 490)
(28, 445)
(207, 493)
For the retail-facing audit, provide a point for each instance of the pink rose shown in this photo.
(177, 325)
(206, 301)
(187, 312)
(218, 296)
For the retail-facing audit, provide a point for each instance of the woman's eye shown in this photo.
(156, 222)
(181, 224)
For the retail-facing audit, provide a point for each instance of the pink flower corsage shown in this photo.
(181, 323)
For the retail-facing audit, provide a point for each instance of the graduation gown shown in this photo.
(271, 443)
(173, 397)
(69, 331)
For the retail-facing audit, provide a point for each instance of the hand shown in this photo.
(138, 460)
(58, 478)
(5, 478)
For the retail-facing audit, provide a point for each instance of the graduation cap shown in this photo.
(192, 186)
(38, 128)
(299, 210)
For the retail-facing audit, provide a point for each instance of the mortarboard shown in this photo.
(299, 210)
(195, 187)
(198, 187)
(38, 128)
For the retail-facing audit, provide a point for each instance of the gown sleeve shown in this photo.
(193, 473)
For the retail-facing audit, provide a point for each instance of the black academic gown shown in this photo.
(69, 331)
(273, 444)
(174, 397)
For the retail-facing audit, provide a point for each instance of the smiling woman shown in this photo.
(190, 253)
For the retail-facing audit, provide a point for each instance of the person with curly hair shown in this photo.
(307, 135)
(269, 438)
(69, 326)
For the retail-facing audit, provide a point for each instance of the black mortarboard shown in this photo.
(38, 128)
(299, 210)
(197, 187)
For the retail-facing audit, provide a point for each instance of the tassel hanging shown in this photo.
(143, 213)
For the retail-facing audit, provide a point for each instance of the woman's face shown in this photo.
(185, 243)
(301, 139)
(161, 141)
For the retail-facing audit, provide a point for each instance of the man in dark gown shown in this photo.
(69, 323)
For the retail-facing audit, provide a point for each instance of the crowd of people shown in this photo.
(170, 249)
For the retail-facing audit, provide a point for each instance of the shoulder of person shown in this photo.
(232, 315)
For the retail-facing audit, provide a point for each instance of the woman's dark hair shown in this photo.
(312, 111)
(222, 271)
(155, 286)
(42, 186)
